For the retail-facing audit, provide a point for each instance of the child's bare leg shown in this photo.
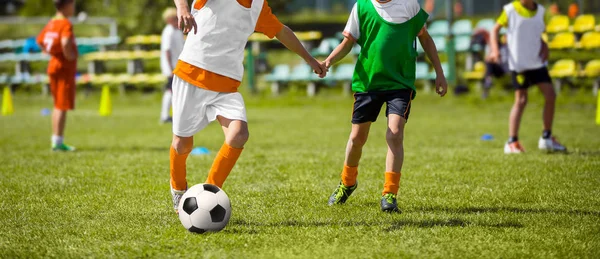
(516, 113)
(550, 100)
(395, 154)
(358, 138)
(236, 136)
(395, 138)
(180, 149)
(59, 119)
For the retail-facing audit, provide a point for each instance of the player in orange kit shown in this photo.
(57, 39)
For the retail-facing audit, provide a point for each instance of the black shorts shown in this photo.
(528, 78)
(367, 105)
(169, 83)
(495, 70)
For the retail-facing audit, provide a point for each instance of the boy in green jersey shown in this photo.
(386, 31)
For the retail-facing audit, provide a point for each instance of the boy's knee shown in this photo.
(521, 101)
(239, 138)
(182, 146)
(358, 140)
(394, 136)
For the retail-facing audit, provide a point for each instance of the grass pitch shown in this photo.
(460, 196)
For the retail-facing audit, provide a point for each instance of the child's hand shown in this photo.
(327, 64)
(318, 67)
(441, 87)
(494, 57)
(185, 21)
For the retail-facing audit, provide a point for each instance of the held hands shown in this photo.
(318, 67)
(185, 20)
(441, 86)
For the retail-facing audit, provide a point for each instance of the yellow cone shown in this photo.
(105, 104)
(598, 110)
(7, 102)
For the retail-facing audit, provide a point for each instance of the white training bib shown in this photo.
(223, 30)
(524, 37)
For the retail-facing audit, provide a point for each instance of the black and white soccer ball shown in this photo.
(204, 208)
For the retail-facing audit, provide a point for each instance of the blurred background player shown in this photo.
(208, 74)
(481, 40)
(57, 39)
(383, 29)
(171, 44)
(528, 54)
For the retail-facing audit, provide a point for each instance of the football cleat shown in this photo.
(341, 194)
(389, 203)
(63, 148)
(176, 198)
(513, 148)
(551, 145)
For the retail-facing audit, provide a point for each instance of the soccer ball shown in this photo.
(204, 208)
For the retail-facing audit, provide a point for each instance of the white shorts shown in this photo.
(194, 108)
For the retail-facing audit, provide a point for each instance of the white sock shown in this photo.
(57, 140)
(166, 105)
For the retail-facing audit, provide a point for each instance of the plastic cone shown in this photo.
(105, 104)
(7, 102)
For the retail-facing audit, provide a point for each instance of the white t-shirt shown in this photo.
(395, 11)
(171, 40)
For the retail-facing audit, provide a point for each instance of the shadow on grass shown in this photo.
(123, 149)
(469, 210)
(391, 226)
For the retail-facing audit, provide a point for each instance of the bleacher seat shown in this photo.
(344, 72)
(558, 23)
(592, 71)
(280, 73)
(462, 43)
(432, 74)
(462, 27)
(590, 40)
(438, 28)
(422, 71)
(562, 40)
(440, 43)
(301, 72)
(487, 24)
(478, 72)
(326, 46)
(564, 68)
(584, 23)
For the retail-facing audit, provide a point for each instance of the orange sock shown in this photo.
(178, 170)
(392, 183)
(349, 174)
(223, 164)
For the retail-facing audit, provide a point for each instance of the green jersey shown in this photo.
(388, 51)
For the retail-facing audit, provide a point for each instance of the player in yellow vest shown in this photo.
(528, 54)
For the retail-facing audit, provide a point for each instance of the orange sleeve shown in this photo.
(40, 38)
(66, 31)
(267, 23)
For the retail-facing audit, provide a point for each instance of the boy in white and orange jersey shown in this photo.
(208, 74)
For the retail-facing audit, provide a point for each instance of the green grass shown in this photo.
(460, 196)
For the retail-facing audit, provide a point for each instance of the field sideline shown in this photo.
(460, 196)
